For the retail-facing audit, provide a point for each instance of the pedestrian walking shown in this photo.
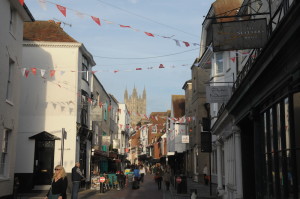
(59, 184)
(77, 176)
(121, 179)
(166, 179)
(142, 173)
(158, 176)
(205, 176)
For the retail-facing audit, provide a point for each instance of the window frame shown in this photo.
(9, 86)
(4, 156)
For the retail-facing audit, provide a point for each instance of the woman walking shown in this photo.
(142, 173)
(59, 184)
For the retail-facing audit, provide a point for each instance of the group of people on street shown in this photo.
(59, 183)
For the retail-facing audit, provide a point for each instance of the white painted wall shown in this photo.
(10, 48)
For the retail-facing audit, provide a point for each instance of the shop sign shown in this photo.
(178, 180)
(185, 139)
(239, 35)
(106, 140)
(218, 94)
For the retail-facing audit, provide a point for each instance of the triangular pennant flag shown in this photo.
(122, 26)
(23, 71)
(108, 22)
(149, 34)
(33, 70)
(186, 43)
(52, 73)
(100, 104)
(62, 72)
(94, 71)
(62, 9)
(42, 4)
(161, 66)
(138, 69)
(43, 72)
(26, 73)
(233, 59)
(115, 71)
(177, 42)
(97, 20)
(79, 14)
(21, 2)
(109, 108)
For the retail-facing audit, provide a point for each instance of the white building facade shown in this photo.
(54, 127)
(12, 16)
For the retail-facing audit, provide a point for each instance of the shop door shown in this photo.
(43, 162)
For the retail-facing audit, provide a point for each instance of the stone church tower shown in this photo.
(136, 104)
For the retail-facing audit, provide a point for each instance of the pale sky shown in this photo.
(110, 44)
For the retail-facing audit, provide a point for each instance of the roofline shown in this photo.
(86, 52)
(186, 83)
(113, 97)
(28, 12)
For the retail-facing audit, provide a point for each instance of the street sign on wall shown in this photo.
(238, 35)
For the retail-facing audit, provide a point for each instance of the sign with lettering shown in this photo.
(218, 94)
(238, 35)
(185, 139)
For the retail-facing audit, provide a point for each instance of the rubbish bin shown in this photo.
(181, 182)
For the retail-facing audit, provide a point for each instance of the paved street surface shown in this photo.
(147, 190)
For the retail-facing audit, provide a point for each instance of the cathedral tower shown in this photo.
(136, 105)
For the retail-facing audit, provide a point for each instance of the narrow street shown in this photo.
(147, 190)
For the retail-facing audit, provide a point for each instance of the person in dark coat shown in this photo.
(77, 176)
(59, 184)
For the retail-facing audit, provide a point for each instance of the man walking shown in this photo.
(76, 179)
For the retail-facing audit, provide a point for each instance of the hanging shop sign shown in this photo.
(218, 94)
(238, 35)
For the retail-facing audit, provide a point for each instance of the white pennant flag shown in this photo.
(43, 72)
(79, 14)
(42, 4)
(23, 71)
(62, 72)
(177, 42)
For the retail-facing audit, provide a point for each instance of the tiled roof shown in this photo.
(178, 102)
(45, 31)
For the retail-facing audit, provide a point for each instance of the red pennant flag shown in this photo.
(33, 70)
(161, 66)
(97, 20)
(115, 71)
(100, 104)
(122, 26)
(186, 43)
(21, 2)
(138, 69)
(94, 71)
(109, 108)
(62, 9)
(52, 73)
(233, 59)
(149, 34)
(26, 73)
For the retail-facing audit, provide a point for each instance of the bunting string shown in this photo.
(63, 10)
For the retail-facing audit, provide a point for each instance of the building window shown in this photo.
(105, 111)
(154, 129)
(85, 69)
(12, 21)
(84, 108)
(219, 63)
(9, 88)
(4, 153)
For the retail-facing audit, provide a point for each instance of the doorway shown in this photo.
(43, 162)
